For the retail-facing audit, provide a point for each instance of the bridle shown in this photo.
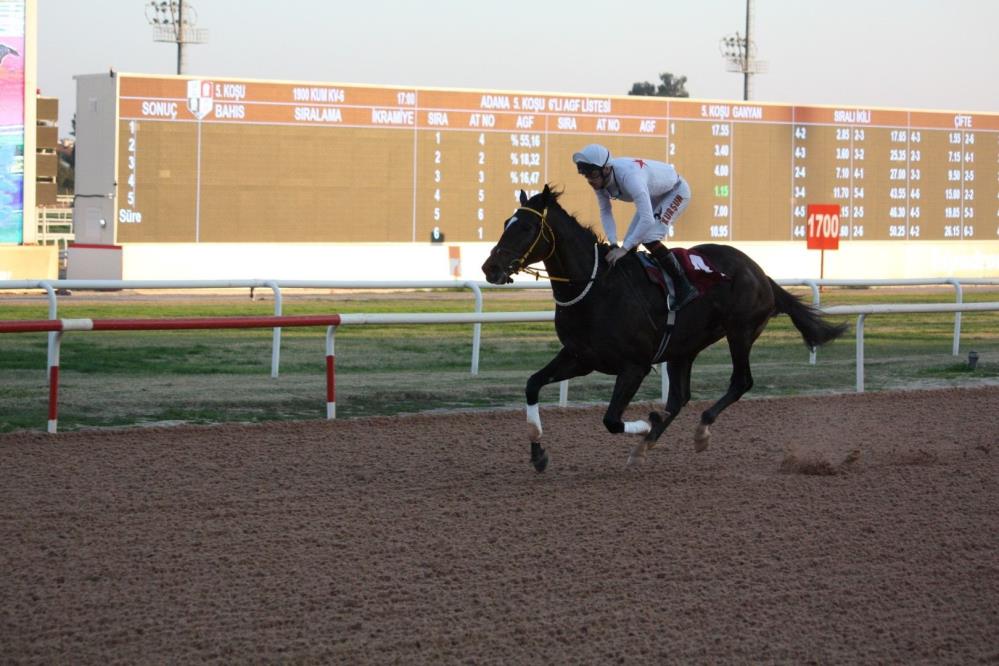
(546, 232)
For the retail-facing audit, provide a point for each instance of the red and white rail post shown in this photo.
(54, 341)
(330, 374)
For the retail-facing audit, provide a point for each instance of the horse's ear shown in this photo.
(548, 195)
(523, 198)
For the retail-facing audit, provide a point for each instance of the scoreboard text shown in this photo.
(245, 161)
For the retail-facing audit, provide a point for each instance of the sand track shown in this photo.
(430, 538)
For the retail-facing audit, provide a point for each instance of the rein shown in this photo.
(537, 273)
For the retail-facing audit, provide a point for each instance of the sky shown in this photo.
(916, 54)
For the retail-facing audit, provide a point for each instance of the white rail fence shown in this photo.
(862, 311)
(53, 287)
(385, 319)
(957, 283)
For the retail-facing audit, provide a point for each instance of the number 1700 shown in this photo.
(823, 226)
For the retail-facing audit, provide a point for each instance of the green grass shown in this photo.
(127, 378)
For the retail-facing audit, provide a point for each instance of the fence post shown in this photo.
(816, 299)
(860, 353)
(330, 374)
(53, 314)
(476, 327)
(959, 295)
(276, 339)
(53, 425)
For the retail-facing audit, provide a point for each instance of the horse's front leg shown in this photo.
(565, 365)
(679, 393)
(628, 381)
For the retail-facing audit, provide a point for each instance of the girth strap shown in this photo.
(667, 334)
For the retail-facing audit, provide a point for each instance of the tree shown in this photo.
(671, 86)
(66, 169)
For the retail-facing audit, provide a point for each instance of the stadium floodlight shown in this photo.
(740, 53)
(174, 21)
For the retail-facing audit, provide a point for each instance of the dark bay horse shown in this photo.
(614, 320)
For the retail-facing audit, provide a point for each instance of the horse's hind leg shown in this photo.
(678, 372)
(739, 346)
(625, 387)
(564, 366)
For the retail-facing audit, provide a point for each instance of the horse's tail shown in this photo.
(813, 328)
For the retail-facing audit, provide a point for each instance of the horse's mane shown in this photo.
(555, 195)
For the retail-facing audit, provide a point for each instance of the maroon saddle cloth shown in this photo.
(702, 273)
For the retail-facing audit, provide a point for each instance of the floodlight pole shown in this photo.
(745, 54)
(739, 52)
(180, 37)
(174, 21)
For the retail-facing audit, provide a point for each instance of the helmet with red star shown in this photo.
(591, 158)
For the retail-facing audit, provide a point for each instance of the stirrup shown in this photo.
(682, 297)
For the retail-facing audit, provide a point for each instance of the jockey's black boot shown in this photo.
(684, 291)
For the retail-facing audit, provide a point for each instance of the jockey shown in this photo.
(660, 196)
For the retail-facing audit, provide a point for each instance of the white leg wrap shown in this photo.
(534, 420)
(636, 427)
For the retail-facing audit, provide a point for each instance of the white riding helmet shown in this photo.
(593, 156)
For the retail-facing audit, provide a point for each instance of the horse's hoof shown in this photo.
(636, 456)
(702, 437)
(539, 457)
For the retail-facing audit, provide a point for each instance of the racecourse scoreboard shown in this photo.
(220, 160)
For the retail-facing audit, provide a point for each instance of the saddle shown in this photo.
(700, 271)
